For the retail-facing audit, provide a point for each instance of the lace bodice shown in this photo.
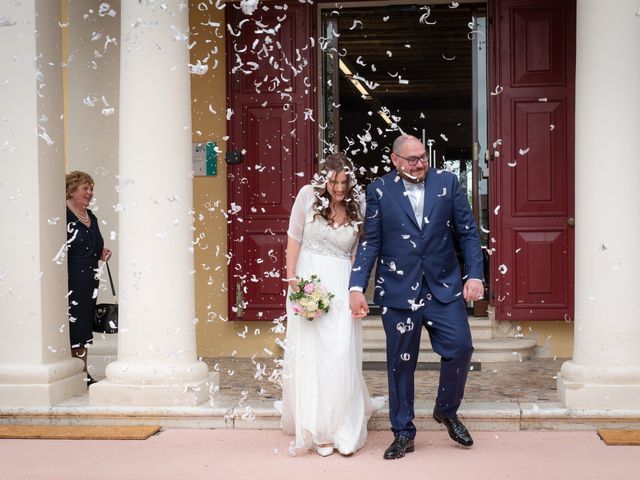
(315, 234)
(321, 237)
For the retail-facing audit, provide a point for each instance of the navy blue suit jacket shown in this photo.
(407, 255)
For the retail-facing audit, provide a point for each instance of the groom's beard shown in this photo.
(414, 175)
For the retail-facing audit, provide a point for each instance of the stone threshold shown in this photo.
(261, 414)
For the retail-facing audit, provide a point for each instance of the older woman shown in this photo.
(86, 247)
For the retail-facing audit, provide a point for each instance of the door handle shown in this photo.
(571, 221)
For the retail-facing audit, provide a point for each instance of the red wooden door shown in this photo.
(270, 90)
(532, 122)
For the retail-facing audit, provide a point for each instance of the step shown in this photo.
(372, 328)
(260, 414)
(485, 350)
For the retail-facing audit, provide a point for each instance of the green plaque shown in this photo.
(212, 159)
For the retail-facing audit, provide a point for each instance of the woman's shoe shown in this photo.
(324, 450)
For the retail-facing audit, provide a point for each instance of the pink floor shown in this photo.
(263, 455)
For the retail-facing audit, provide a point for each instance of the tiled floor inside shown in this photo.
(525, 381)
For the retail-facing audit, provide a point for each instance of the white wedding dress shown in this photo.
(325, 399)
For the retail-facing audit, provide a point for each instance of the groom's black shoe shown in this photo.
(399, 447)
(457, 431)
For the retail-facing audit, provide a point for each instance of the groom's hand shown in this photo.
(358, 304)
(473, 290)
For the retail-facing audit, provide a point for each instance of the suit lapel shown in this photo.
(397, 189)
(430, 192)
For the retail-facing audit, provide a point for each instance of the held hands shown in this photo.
(106, 254)
(473, 290)
(358, 304)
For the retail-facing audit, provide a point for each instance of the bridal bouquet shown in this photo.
(312, 299)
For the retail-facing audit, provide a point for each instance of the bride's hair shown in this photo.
(334, 164)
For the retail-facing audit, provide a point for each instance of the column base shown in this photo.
(41, 385)
(188, 394)
(102, 352)
(587, 387)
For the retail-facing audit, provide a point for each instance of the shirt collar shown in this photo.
(408, 186)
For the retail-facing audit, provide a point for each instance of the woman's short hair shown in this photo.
(75, 179)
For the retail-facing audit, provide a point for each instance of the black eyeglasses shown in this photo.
(413, 161)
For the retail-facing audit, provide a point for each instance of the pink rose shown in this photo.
(297, 308)
(309, 288)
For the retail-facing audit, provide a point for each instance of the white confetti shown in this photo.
(524, 151)
(249, 6)
(496, 210)
(503, 269)
(405, 356)
(6, 21)
(498, 90)
(199, 68)
(105, 9)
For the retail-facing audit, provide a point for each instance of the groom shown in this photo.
(412, 215)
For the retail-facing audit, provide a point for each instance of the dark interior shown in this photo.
(435, 57)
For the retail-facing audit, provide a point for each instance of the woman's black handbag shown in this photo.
(106, 316)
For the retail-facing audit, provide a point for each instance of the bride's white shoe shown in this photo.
(324, 450)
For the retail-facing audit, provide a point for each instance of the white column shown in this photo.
(36, 367)
(157, 362)
(605, 370)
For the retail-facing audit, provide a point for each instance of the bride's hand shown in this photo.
(293, 283)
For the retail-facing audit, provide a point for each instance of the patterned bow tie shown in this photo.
(414, 186)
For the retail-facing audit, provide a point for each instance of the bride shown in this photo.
(325, 401)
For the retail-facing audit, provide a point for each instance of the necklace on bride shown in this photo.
(83, 218)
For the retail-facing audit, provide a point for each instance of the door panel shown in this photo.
(270, 89)
(532, 123)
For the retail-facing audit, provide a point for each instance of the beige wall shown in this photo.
(555, 339)
(215, 336)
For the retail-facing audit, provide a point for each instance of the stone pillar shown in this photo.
(36, 368)
(605, 369)
(157, 363)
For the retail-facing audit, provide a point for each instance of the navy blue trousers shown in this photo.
(450, 336)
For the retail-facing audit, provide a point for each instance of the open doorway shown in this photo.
(416, 68)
